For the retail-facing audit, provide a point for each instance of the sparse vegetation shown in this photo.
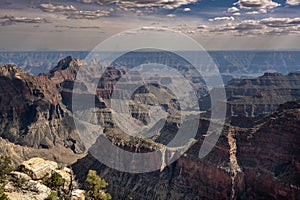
(3, 196)
(96, 187)
(55, 181)
(53, 196)
(18, 182)
(5, 167)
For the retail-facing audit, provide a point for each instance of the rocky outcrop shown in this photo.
(32, 190)
(29, 182)
(187, 178)
(260, 161)
(65, 70)
(261, 95)
(31, 110)
(78, 195)
(269, 155)
(255, 157)
(20, 153)
(37, 168)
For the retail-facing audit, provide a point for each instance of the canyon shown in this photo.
(256, 156)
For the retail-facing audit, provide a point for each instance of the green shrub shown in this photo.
(18, 182)
(53, 196)
(3, 196)
(96, 187)
(5, 167)
(54, 182)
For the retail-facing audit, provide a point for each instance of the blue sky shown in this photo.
(215, 24)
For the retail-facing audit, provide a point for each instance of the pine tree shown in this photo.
(96, 187)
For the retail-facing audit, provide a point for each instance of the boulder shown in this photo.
(37, 168)
(20, 175)
(32, 190)
(78, 195)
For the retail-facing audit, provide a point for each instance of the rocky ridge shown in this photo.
(239, 164)
(261, 95)
(31, 110)
(258, 162)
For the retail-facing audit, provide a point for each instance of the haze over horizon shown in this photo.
(215, 24)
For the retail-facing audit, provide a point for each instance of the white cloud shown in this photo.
(167, 4)
(257, 12)
(9, 20)
(88, 14)
(236, 14)
(77, 27)
(48, 7)
(281, 22)
(222, 19)
(257, 4)
(247, 27)
(87, 1)
(186, 9)
(233, 9)
(171, 15)
(266, 26)
(202, 27)
(293, 2)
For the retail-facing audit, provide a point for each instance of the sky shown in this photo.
(214, 24)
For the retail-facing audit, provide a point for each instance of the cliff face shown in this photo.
(187, 178)
(261, 95)
(269, 155)
(31, 110)
(257, 162)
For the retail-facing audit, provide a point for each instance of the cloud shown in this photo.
(236, 14)
(257, 12)
(186, 9)
(201, 27)
(221, 19)
(243, 27)
(9, 20)
(87, 1)
(78, 27)
(281, 31)
(280, 22)
(89, 14)
(171, 15)
(257, 4)
(293, 2)
(48, 7)
(74, 13)
(248, 25)
(268, 26)
(167, 4)
(233, 9)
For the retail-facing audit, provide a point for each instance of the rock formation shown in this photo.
(261, 95)
(28, 183)
(31, 110)
(257, 162)
(256, 156)
(38, 168)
